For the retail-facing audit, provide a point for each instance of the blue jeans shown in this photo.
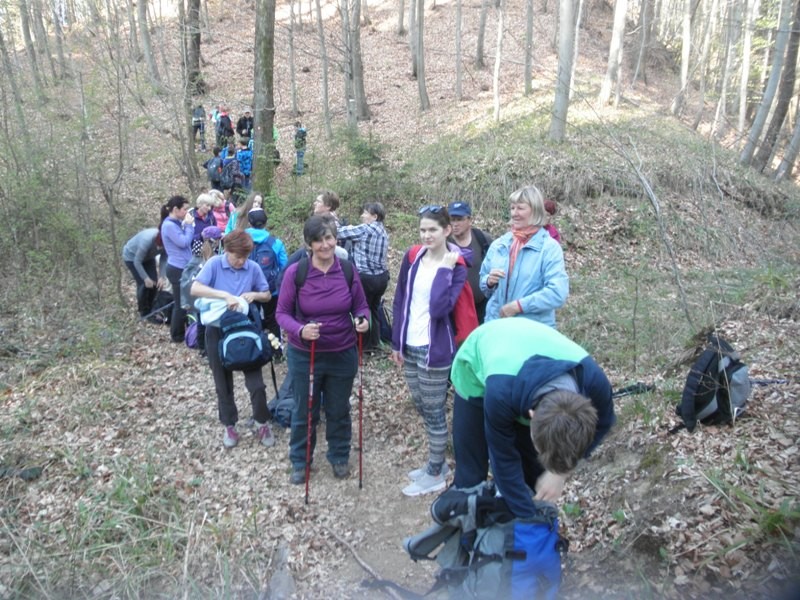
(333, 377)
(299, 167)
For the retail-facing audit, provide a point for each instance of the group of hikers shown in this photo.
(469, 311)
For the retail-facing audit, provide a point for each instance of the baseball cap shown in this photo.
(459, 209)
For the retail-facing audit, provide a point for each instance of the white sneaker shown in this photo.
(264, 434)
(417, 473)
(427, 484)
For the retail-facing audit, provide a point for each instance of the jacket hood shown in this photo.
(258, 235)
(535, 372)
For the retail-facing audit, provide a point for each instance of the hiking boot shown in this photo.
(298, 476)
(417, 473)
(341, 471)
(231, 437)
(264, 434)
(427, 484)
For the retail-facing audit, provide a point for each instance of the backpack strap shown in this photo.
(484, 243)
(301, 275)
(694, 391)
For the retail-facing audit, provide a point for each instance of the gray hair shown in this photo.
(531, 196)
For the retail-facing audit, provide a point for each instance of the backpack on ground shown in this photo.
(230, 176)
(263, 254)
(243, 345)
(162, 307)
(385, 322)
(214, 169)
(717, 387)
(463, 317)
(484, 552)
(280, 407)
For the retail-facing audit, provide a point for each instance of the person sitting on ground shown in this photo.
(550, 209)
(139, 255)
(319, 319)
(423, 336)
(177, 231)
(234, 278)
(531, 402)
(523, 273)
(370, 244)
(467, 236)
(258, 231)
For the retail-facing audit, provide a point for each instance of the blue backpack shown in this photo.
(263, 254)
(243, 345)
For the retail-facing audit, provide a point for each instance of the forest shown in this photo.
(666, 132)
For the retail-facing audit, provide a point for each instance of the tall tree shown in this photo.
(576, 38)
(757, 127)
(744, 78)
(41, 35)
(30, 49)
(323, 52)
(147, 44)
(264, 105)
(785, 92)
(401, 28)
(412, 35)
(459, 66)
(733, 20)
(528, 69)
(645, 38)
(357, 62)
(347, 63)
(566, 29)
(59, 37)
(133, 36)
(194, 77)
(292, 72)
(611, 81)
(479, 60)
(686, 52)
(498, 58)
(12, 82)
(785, 167)
(424, 102)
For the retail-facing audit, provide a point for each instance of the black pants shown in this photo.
(374, 288)
(144, 295)
(268, 321)
(177, 327)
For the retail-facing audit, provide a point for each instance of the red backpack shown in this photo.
(463, 316)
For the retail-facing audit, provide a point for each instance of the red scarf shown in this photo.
(521, 237)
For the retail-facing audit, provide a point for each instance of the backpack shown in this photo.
(230, 175)
(190, 272)
(300, 138)
(214, 169)
(243, 345)
(463, 317)
(486, 552)
(483, 242)
(717, 387)
(280, 407)
(264, 255)
(385, 322)
(224, 126)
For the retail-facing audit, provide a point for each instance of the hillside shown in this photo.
(114, 480)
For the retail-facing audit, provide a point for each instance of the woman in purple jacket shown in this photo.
(177, 231)
(320, 314)
(423, 342)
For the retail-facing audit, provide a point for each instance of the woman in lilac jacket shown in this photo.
(322, 317)
(177, 231)
(423, 339)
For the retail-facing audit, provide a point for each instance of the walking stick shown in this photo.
(309, 419)
(360, 409)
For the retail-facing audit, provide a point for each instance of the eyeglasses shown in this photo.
(431, 208)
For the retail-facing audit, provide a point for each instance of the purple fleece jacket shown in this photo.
(447, 284)
(324, 298)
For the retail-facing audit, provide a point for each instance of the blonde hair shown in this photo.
(531, 196)
(206, 199)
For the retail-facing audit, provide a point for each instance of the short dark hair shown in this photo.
(375, 208)
(440, 215)
(317, 227)
(174, 202)
(562, 429)
(330, 199)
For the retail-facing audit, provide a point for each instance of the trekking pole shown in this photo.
(309, 419)
(360, 409)
(159, 309)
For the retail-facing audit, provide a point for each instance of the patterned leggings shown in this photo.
(428, 389)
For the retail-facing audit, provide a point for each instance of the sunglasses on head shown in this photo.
(431, 208)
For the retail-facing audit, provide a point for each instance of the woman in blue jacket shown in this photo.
(177, 231)
(423, 340)
(523, 272)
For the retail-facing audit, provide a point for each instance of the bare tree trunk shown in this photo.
(731, 39)
(612, 78)
(575, 48)
(790, 156)
(498, 58)
(528, 69)
(264, 109)
(12, 82)
(686, 52)
(781, 40)
(401, 12)
(133, 35)
(365, 20)
(412, 35)
(359, 93)
(147, 45)
(479, 60)
(292, 72)
(30, 49)
(566, 29)
(42, 37)
(59, 37)
(744, 78)
(646, 30)
(326, 111)
(424, 102)
(194, 78)
(785, 92)
(347, 63)
(459, 68)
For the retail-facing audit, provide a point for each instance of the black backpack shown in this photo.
(230, 176)
(224, 126)
(717, 387)
(214, 169)
(263, 254)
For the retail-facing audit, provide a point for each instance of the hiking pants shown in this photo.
(223, 382)
(333, 377)
(299, 167)
(374, 288)
(177, 326)
(472, 452)
(144, 295)
(428, 387)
